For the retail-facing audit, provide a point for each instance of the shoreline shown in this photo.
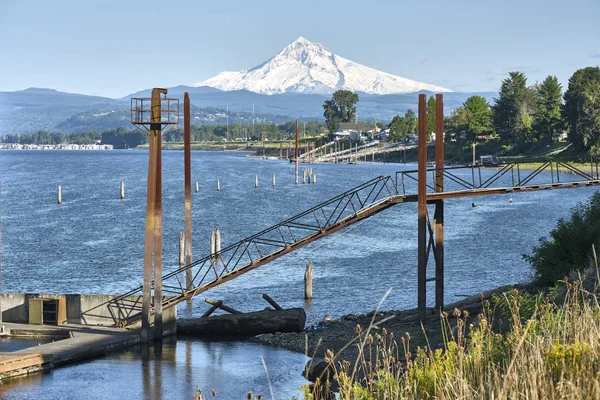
(335, 335)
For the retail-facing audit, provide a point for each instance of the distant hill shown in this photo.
(88, 121)
(36, 109)
(30, 110)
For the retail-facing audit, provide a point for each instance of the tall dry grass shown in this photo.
(550, 350)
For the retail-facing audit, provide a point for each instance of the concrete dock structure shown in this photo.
(90, 329)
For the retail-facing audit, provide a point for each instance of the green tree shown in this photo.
(411, 121)
(12, 138)
(346, 104)
(456, 123)
(398, 128)
(430, 115)
(548, 120)
(514, 108)
(570, 244)
(479, 115)
(581, 109)
(332, 118)
(341, 108)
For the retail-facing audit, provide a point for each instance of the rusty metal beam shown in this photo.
(438, 217)
(149, 234)
(422, 208)
(296, 151)
(187, 165)
(156, 134)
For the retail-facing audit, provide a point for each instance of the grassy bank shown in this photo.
(521, 346)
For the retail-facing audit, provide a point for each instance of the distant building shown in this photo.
(383, 135)
(351, 130)
(488, 160)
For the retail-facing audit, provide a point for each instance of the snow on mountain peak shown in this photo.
(307, 67)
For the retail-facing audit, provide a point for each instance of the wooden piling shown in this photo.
(187, 164)
(308, 281)
(197, 187)
(422, 208)
(213, 260)
(218, 243)
(59, 195)
(212, 244)
(438, 218)
(255, 180)
(314, 179)
(218, 185)
(296, 151)
(181, 249)
(122, 190)
(273, 178)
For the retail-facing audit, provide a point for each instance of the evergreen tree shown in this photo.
(411, 121)
(581, 107)
(548, 119)
(430, 115)
(479, 115)
(398, 128)
(331, 115)
(513, 109)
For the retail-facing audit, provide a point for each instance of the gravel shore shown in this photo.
(335, 335)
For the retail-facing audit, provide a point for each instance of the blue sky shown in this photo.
(109, 48)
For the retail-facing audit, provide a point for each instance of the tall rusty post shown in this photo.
(150, 217)
(422, 209)
(438, 217)
(187, 163)
(157, 135)
(296, 151)
(152, 123)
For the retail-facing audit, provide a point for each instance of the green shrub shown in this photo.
(570, 244)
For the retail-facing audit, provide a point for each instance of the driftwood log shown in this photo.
(246, 324)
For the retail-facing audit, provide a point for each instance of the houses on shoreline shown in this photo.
(63, 146)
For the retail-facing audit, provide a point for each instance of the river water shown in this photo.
(93, 243)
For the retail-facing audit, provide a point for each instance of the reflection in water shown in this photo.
(145, 356)
(169, 370)
(158, 354)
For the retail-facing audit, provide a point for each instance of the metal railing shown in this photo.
(509, 174)
(263, 247)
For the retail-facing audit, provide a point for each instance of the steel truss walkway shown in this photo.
(343, 210)
(350, 207)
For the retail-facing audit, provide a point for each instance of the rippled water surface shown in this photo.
(93, 242)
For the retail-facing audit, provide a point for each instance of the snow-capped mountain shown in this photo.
(307, 67)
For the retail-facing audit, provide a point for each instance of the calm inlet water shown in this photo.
(93, 243)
